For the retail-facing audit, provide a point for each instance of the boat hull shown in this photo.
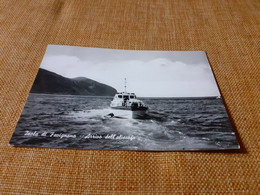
(128, 113)
(121, 113)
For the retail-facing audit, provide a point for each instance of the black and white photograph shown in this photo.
(107, 99)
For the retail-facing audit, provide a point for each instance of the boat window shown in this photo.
(119, 96)
(126, 97)
(132, 97)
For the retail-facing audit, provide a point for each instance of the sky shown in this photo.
(148, 73)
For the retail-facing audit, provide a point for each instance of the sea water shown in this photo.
(67, 121)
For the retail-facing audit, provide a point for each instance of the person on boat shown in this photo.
(125, 101)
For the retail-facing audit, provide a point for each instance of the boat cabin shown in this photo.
(128, 101)
(125, 96)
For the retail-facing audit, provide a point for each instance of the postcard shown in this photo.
(107, 99)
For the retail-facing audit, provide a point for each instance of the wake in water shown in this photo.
(170, 124)
(150, 132)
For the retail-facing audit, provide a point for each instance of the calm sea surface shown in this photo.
(65, 121)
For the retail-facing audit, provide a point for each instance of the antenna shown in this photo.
(125, 85)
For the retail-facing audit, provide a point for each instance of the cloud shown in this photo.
(159, 77)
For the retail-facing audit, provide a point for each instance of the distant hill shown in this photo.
(52, 83)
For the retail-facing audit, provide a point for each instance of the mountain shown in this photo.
(52, 83)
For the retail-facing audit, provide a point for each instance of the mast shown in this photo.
(125, 85)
